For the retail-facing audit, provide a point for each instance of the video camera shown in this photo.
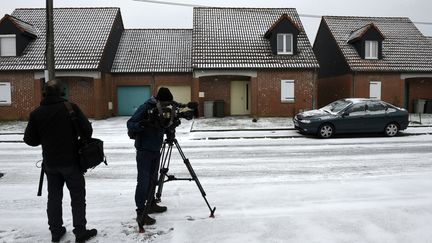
(167, 114)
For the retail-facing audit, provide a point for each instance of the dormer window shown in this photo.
(371, 49)
(283, 36)
(367, 41)
(285, 44)
(15, 35)
(7, 45)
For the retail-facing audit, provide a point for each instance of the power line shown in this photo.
(172, 3)
(196, 5)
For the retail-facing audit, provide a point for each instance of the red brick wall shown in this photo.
(25, 95)
(392, 87)
(334, 88)
(267, 92)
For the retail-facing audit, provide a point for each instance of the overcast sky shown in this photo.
(138, 14)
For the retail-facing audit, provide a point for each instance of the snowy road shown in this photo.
(298, 189)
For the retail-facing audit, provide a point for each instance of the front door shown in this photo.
(240, 97)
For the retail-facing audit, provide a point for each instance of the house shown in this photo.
(379, 57)
(86, 40)
(256, 61)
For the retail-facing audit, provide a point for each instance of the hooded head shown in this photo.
(53, 88)
(164, 94)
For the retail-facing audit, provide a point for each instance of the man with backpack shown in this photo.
(50, 125)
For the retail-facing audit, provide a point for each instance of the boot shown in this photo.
(144, 219)
(58, 234)
(154, 208)
(84, 235)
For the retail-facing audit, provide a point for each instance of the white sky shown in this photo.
(150, 15)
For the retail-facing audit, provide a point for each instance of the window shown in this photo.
(7, 45)
(371, 49)
(284, 43)
(375, 90)
(287, 90)
(376, 108)
(5, 93)
(357, 110)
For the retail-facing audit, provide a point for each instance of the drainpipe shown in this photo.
(314, 90)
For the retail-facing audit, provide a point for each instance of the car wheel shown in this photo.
(391, 130)
(325, 131)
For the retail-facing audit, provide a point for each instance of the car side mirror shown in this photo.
(345, 114)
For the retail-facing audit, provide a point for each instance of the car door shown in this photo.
(376, 118)
(353, 119)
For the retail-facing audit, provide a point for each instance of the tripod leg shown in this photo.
(195, 178)
(164, 168)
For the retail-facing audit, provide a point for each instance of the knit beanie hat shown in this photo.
(164, 94)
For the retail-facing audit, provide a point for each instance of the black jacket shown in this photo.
(148, 138)
(50, 125)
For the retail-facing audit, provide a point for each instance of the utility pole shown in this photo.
(49, 51)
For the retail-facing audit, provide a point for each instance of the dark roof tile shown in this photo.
(80, 36)
(405, 48)
(234, 38)
(154, 50)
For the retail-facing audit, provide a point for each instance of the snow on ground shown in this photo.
(289, 189)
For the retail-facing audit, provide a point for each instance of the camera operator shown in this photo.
(148, 142)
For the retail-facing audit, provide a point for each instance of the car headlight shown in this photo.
(306, 121)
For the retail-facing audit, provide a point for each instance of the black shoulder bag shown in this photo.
(90, 151)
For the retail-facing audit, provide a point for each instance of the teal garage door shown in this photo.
(129, 98)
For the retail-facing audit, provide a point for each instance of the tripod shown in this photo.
(165, 162)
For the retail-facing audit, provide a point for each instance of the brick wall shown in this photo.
(25, 95)
(268, 92)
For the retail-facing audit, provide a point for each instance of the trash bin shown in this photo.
(208, 108)
(428, 107)
(419, 106)
(219, 109)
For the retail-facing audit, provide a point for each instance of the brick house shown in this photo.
(86, 41)
(258, 61)
(381, 57)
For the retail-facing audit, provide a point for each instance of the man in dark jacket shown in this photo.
(50, 125)
(148, 142)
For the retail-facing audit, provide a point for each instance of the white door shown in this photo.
(240, 98)
(375, 90)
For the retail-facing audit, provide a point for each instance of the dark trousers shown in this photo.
(75, 182)
(147, 166)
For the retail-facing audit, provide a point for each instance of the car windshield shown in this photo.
(336, 106)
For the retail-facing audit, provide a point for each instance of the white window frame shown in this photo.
(8, 48)
(285, 50)
(375, 90)
(371, 49)
(287, 91)
(5, 94)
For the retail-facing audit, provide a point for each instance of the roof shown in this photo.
(21, 25)
(80, 36)
(405, 48)
(154, 50)
(226, 38)
(359, 33)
